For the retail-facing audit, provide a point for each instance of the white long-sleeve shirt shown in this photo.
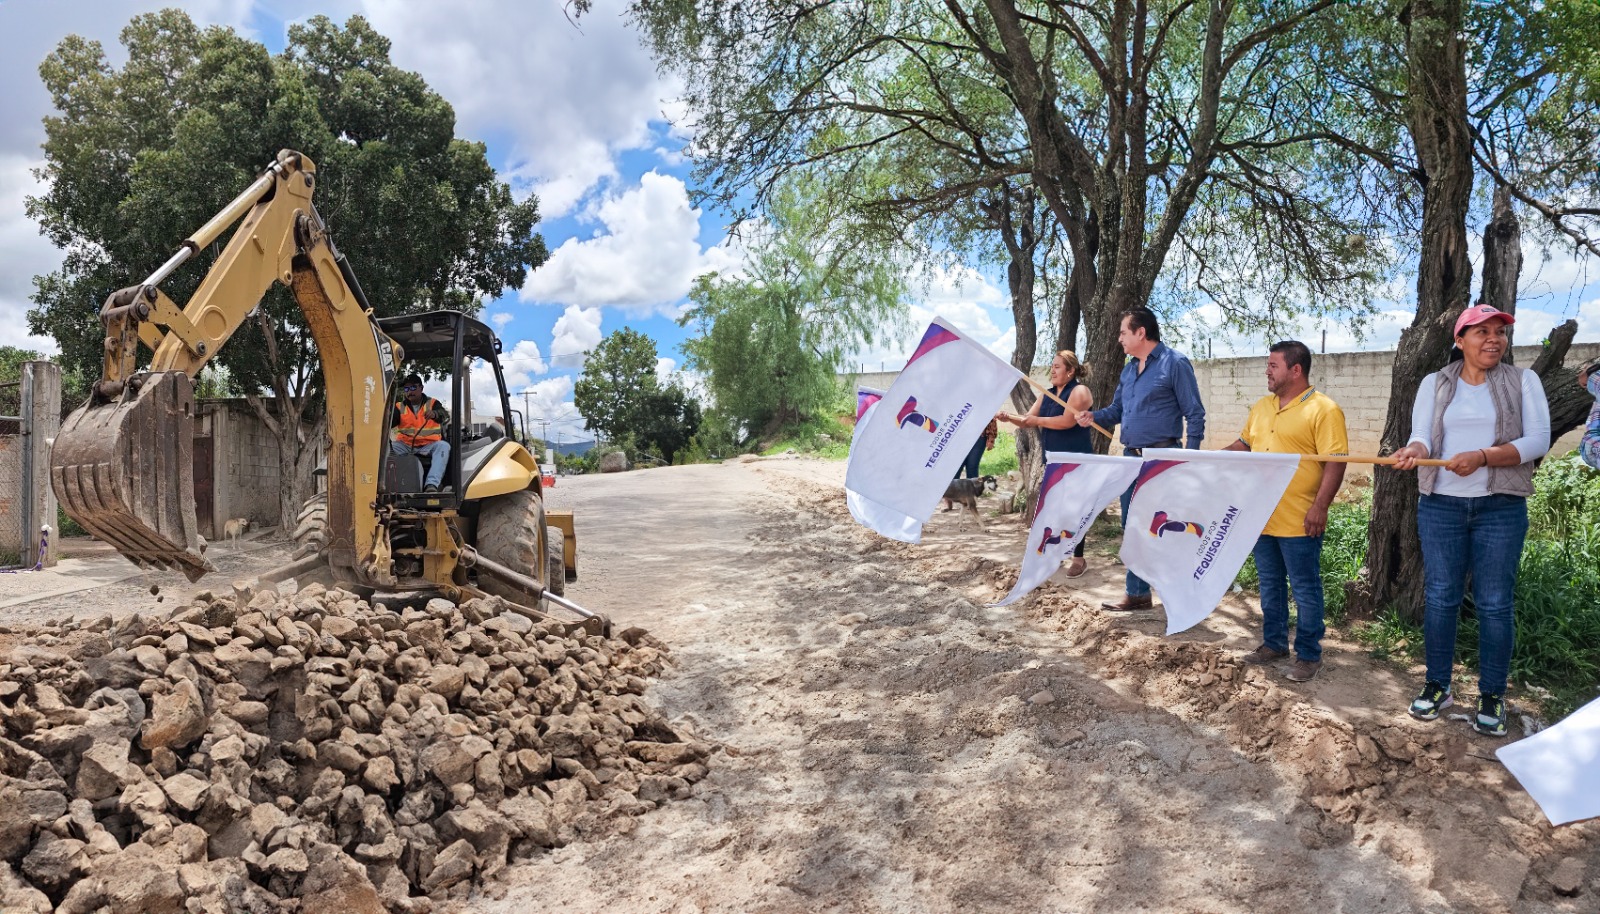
(1469, 425)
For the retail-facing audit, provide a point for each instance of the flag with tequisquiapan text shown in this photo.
(906, 452)
(1194, 518)
(868, 513)
(1075, 489)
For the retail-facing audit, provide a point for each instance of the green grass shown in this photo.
(807, 438)
(1003, 459)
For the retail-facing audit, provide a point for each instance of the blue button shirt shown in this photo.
(1151, 405)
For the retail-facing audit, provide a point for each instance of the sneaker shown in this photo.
(430, 487)
(1491, 718)
(1433, 700)
(1264, 654)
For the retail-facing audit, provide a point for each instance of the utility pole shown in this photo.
(525, 408)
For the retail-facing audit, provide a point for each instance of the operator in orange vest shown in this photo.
(417, 428)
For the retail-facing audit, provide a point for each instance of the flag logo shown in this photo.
(1161, 525)
(909, 416)
(1052, 538)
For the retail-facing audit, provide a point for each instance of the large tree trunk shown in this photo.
(1438, 120)
(1013, 214)
(1569, 403)
(1502, 259)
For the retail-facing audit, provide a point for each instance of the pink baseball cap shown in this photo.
(1477, 314)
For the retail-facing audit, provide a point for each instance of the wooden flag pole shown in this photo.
(1321, 458)
(1048, 393)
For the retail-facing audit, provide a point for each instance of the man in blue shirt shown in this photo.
(1156, 396)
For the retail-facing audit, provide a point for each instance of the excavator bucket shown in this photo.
(124, 469)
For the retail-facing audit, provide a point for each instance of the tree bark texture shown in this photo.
(1502, 258)
(1013, 214)
(1569, 403)
(1437, 115)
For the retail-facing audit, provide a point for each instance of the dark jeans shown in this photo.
(1483, 535)
(969, 466)
(1136, 585)
(1285, 562)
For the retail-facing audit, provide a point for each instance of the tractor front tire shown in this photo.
(512, 532)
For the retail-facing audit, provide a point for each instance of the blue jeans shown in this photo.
(437, 452)
(1482, 535)
(974, 458)
(1136, 585)
(1285, 562)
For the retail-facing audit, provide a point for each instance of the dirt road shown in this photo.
(892, 745)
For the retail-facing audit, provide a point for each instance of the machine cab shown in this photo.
(446, 347)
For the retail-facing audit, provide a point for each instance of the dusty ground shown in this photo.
(892, 745)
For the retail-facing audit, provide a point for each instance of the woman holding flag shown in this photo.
(1494, 419)
(1058, 425)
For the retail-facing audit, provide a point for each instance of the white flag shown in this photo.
(1194, 518)
(1560, 767)
(1075, 489)
(869, 513)
(907, 451)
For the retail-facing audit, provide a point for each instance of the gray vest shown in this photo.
(1505, 390)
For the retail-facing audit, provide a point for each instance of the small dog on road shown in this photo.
(235, 528)
(966, 492)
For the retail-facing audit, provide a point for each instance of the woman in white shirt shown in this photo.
(1493, 422)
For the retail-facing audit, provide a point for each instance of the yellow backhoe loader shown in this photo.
(122, 463)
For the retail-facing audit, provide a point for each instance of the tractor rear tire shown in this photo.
(512, 532)
(311, 526)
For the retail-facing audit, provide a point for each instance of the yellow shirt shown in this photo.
(1311, 424)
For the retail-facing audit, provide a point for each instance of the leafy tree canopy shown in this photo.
(622, 399)
(136, 158)
(813, 292)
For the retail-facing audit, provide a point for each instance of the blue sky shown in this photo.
(579, 116)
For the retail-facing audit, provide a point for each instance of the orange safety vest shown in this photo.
(413, 426)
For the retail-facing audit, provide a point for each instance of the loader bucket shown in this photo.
(124, 470)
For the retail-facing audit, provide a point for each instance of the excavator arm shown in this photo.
(122, 464)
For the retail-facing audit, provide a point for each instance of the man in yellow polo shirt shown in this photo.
(1294, 418)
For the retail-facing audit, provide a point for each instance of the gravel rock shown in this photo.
(316, 753)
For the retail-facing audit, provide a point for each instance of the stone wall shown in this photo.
(27, 502)
(245, 475)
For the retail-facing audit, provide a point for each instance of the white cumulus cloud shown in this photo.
(576, 332)
(644, 259)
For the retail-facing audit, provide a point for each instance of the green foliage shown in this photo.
(771, 342)
(827, 437)
(1566, 492)
(621, 398)
(139, 157)
(66, 526)
(1003, 459)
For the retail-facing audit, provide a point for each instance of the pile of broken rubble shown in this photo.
(314, 752)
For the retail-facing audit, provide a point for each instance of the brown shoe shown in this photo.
(1303, 671)
(1129, 603)
(1264, 654)
(1077, 566)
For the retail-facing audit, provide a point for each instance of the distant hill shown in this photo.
(567, 449)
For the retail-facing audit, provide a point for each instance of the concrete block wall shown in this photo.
(1358, 381)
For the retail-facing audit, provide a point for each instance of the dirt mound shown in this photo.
(315, 753)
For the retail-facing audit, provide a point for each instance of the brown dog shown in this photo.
(966, 492)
